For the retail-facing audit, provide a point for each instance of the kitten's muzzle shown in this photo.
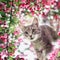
(31, 37)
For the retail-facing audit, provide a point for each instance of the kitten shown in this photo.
(41, 38)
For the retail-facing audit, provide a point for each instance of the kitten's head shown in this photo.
(31, 32)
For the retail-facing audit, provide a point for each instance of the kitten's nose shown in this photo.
(31, 37)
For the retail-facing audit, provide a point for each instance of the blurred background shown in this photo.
(12, 43)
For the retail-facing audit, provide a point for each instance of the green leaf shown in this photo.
(32, 4)
(18, 3)
(1, 41)
(1, 49)
(8, 5)
(19, 51)
(57, 12)
(5, 1)
(11, 48)
(10, 58)
(14, 20)
(11, 29)
(4, 17)
(2, 13)
(12, 42)
(58, 54)
(2, 30)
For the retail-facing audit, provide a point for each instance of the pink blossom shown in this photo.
(58, 42)
(4, 53)
(16, 33)
(2, 6)
(59, 33)
(19, 57)
(38, 7)
(16, 0)
(53, 54)
(47, 2)
(23, 5)
(38, 1)
(32, 12)
(44, 2)
(23, 1)
(22, 58)
(3, 37)
(20, 40)
(55, 16)
(2, 46)
(0, 57)
(58, 4)
(1, 22)
(23, 22)
(7, 10)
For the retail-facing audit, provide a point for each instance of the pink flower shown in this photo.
(58, 4)
(48, 2)
(7, 10)
(53, 54)
(58, 42)
(4, 37)
(56, 16)
(20, 40)
(2, 46)
(21, 58)
(23, 1)
(23, 5)
(16, 0)
(1, 22)
(38, 1)
(0, 57)
(38, 7)
(58, 33)
(32, 12)
(16, 33)
(2, 6)
(30, 8)
(44, 2)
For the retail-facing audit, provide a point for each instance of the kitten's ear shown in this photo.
(35, 21)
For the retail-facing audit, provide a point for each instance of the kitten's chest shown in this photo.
(38, 45)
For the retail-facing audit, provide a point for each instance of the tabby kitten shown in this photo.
(41, 38)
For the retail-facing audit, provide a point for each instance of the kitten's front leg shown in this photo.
(44, 54)
(41, 55)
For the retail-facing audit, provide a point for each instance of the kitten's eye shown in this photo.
(33, 30)
(26, 32)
